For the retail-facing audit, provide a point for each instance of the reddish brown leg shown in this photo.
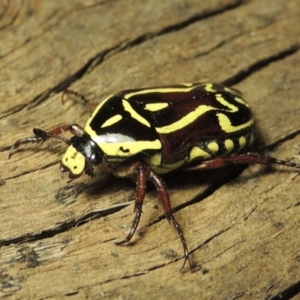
(165, 200)
(41, 136)
(73, 93)
(92, 105)
(140, 195)
(247, 158)
(146, 173)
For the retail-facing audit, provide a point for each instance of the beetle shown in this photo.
(145, 133)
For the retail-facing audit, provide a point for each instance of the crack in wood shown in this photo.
(257, 66)
(289, 293)
(65, 226)
(100, 57)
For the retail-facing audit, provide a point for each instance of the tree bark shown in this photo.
(242, 227)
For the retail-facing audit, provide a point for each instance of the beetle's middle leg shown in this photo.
(91, 105)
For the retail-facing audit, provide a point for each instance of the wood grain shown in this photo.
(57, 239)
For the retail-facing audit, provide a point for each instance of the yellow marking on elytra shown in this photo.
(227, 89)
(226, 125)
(197, 152)
(229, 145)
(242, 142)
(232, 108)
(156, 106)
(134, 114)
(189, 84)
(209, 87)
(160, 90)
(213, 146)
(251, 139)
(87, 127)
(74, 160)
(112, 120)
(240, 100)
(186, 120)
(200, 110)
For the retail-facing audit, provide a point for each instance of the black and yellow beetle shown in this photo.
(142, 133)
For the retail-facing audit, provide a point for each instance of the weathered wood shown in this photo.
(58, 240)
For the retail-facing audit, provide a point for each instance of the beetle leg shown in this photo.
(73, 93)
(140, 195)
(147, 173)
(165, 200)
(92, 105)
(247, 158)
(42, 135)
(89, 170)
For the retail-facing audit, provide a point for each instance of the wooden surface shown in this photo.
(57, 239)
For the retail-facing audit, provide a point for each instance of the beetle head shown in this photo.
(81, 155)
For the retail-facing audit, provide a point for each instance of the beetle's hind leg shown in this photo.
(42, 135)
(247, 158)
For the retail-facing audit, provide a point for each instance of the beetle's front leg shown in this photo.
(41, 136)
